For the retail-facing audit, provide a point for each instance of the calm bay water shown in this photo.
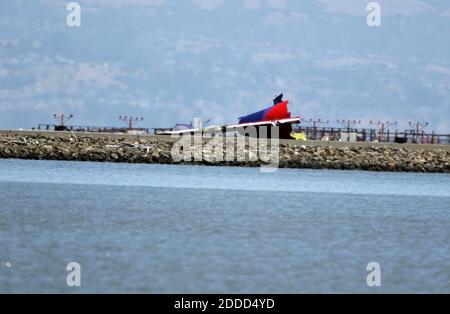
(185, 229)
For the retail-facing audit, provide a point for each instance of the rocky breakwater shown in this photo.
(158, 150)
(367, 158)
(84, 148)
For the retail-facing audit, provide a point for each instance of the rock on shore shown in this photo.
(158, 150)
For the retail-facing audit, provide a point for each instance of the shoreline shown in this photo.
(155, 149)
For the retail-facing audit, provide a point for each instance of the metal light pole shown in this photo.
(315, 123)
(383, 126)
(419, 126)
(131, 121)
(62, 118)
(349, 123)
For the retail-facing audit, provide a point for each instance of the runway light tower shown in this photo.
(419, 126)
(349, 123)
(62, 118)
(315, 123)
(383, 125)
(131, 121)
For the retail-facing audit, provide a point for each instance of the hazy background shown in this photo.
(170, 61)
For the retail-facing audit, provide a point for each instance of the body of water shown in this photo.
(192, 229)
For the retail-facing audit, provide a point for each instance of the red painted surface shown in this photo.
(278, 112)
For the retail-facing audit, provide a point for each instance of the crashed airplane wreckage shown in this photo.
(277, 116)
